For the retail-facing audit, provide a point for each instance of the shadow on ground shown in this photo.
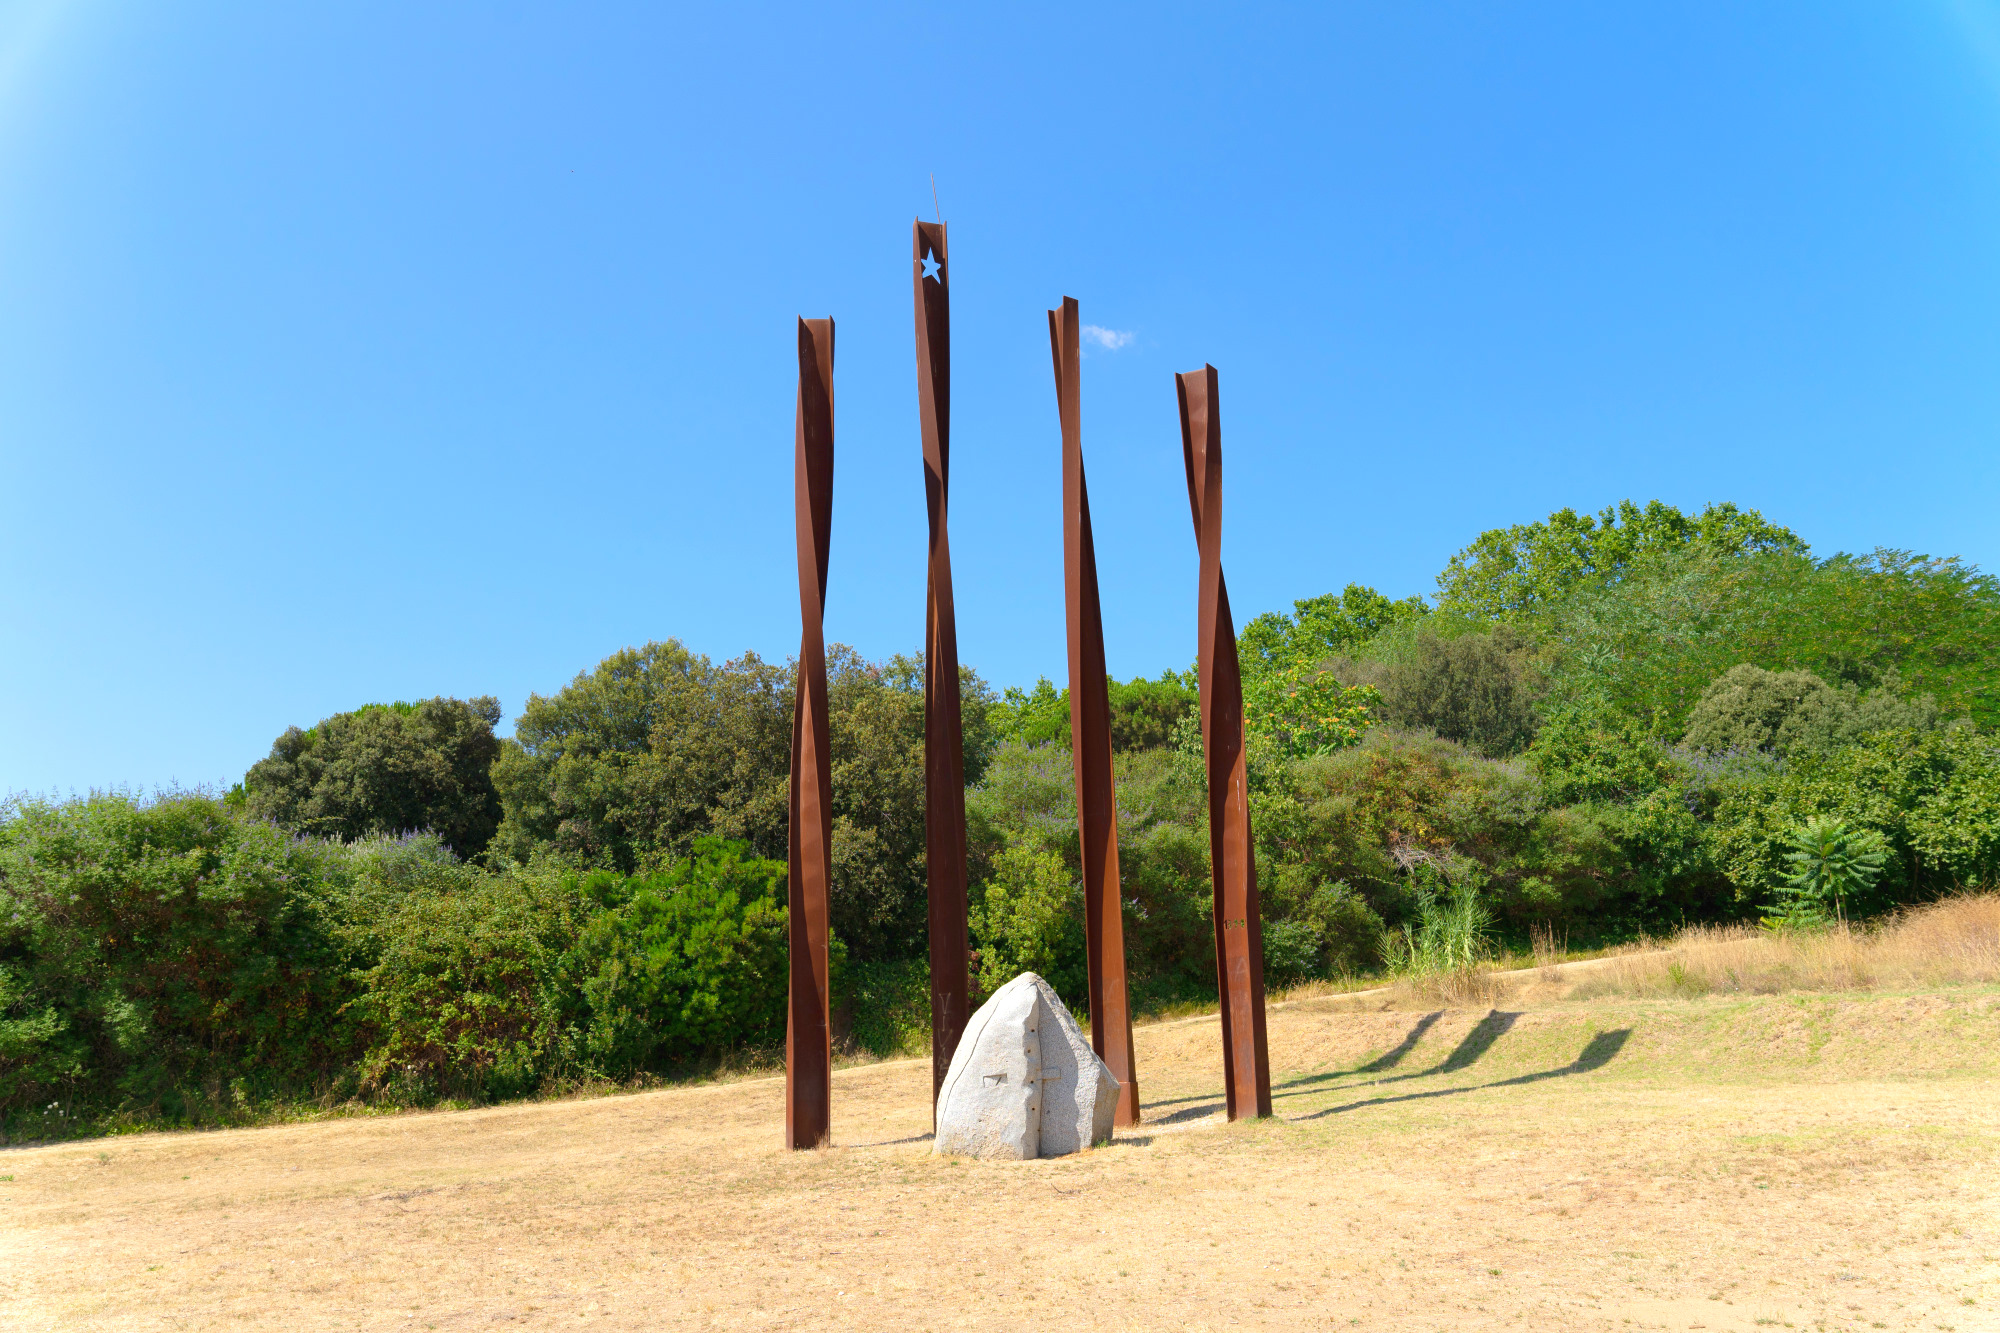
(1600, 1051)
(1473, 1047)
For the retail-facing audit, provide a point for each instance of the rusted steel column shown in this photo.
(944, 738)
(808, 1040)
(1090, 738)
(1239, 932)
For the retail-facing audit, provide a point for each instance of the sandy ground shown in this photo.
(1828, 1163)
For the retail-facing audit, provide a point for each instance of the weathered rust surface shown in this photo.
(808, 1038)
(944, 739)
(1239, 931)
(1090, 737)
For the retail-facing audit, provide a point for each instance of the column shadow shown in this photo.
(1387, 1060)
(1600, 1051)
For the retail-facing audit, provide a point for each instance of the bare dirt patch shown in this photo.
(1744, 1163)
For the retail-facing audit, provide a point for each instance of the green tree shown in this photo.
(1034, 717)
(689, 962)
(1144, 712)
(1521, 571)
(1652, 642)
(1831, 863)
(386, 768)
(631, 762)
(1321, 627)
(1749, 708)
(1477, 689)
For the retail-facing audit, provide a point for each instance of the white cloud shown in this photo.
(1109, 339)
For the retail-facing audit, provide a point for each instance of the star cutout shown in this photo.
(933, 269)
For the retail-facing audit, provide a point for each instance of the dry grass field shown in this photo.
(1812, 1161)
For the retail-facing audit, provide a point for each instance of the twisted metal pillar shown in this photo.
(1239, 931)
(944, 738)
(1090, 737)
(808, 1039)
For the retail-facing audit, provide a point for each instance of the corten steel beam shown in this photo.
(808, 1040)
(1090, 738)
(1239, 931)
(944, 739)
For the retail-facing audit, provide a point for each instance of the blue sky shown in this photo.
(373, 351)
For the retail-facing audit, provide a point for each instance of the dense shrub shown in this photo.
(1478, 689)
(386, 768)
(686, 963)
(1933, 797)
(468, 983)
(165, 957)
(1606, 725)
(1749, 708)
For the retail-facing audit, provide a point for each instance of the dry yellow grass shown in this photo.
(1957, 940)
(1721, 1163)
(1946, 943)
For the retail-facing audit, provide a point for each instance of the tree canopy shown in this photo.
(386, 768)
(1521, 571)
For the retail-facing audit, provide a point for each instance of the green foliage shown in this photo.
(887, 1005)
(1749, 708)
(1302, 709)
(1374, 816)
(626, 767)
(1831, 863)
(686, 963)
(1321, 627)
(1608, 724)
(1037, 718)
(1589, 750)
(385, 769)
(1026, 874)
(1291, 953)
(164, 956)
(631, 762)
(1478, 689)
(1030, 919)
(1933, 797)
(468, 984)
(1144, 712)
(1652, 643)
(1523, 571)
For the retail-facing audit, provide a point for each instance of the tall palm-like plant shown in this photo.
(1831, 861)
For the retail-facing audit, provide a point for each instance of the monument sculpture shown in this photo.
(1090, 737)
(1239, 933)
(808, 1037)
(944, 742)
(1024, 1081)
